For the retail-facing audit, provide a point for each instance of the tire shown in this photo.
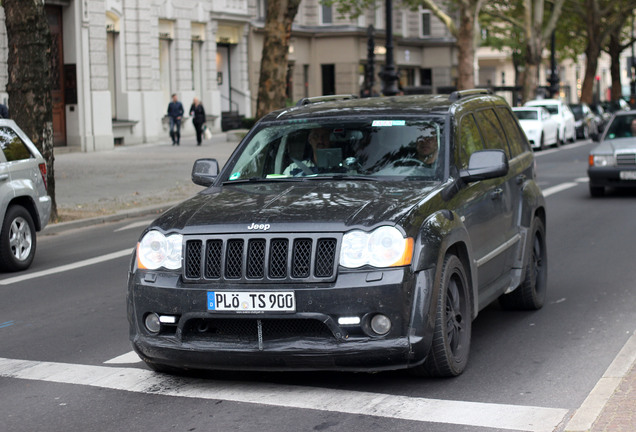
(597, 191)
(558, 140)
(448, 355)
(542, 142)
(17, 239)
(530, 295)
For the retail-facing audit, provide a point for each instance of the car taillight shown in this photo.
(42, 167)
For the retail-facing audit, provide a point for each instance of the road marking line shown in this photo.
(128, 358)
(134, 225)
(501, 416)
(558, 188)
(67, 267)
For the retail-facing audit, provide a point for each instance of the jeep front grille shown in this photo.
(262, 258)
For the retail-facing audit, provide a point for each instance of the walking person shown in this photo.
(197, 112)
(175, 113)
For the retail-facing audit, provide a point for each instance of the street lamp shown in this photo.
(389, 74)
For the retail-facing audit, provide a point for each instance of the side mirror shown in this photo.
(485, 164)
(205, 171)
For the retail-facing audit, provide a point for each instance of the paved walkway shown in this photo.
(147, 179)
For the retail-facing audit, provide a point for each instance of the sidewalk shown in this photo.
(147, 179)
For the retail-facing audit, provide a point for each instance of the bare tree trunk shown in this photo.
(273, 75)
(466, 48)
(615, 49)
(29, 85)
(592, 51)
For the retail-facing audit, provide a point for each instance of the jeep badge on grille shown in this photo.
(254, 226)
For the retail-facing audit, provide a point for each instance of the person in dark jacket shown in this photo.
(4, 111)
(175, 113)
(197, 112)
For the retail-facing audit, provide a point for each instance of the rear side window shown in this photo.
(494, 138)
(469, 141)
(516, 138)
(12, 146)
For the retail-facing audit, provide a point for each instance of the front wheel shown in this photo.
(448, 355)
(17, 239)
(530, 295)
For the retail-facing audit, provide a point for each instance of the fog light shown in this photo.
(152, 323)
(347, 321)
(381, 324)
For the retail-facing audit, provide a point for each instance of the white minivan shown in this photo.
(562, 113)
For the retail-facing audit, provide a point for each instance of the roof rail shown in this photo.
(458, 94)
(310, 100)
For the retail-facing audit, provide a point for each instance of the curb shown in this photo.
(156, 210)
(592, 407)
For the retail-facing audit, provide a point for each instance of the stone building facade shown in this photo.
(116, 62)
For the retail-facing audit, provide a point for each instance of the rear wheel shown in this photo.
(451, 340)
(542, 142)
(530, 295)
(17, 239)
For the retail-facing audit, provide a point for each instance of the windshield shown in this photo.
(358, 148)
(622, 126)
(552, 109)
(526, 114)
(578, 111)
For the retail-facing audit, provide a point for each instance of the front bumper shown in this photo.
(309, 339)
(611, 176)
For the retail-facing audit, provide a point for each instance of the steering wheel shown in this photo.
(408, 161)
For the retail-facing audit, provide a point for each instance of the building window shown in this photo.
(112, 53)
(426, 23)
(328, 79)
(327, 14)
(426, 77)
(166, 34)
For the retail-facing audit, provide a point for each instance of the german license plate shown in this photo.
(246, 301)
(627, 175)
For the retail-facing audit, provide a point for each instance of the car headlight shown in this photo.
(156, 250)
(601, 160)
(383, 247)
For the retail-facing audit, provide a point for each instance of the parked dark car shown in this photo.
(602, 117)
(614, 106)
(359, 235)
(585, 121)
(613, 162)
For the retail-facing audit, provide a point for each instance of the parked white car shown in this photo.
(541, 129)
(25, 206)
(562, 113)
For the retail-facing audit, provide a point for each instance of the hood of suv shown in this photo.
(314, 205)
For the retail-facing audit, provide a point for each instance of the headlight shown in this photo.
(156, 250)
(601, 160)
(383, 247)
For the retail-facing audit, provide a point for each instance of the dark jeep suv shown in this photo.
(346, 235)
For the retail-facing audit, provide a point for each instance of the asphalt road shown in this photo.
(65, 361)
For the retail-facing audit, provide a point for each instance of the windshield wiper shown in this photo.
(261, 180)
(343, 177)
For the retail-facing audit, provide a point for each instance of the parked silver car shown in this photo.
(25, 206)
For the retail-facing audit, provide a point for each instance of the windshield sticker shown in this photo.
(384, 123)
(235, 176)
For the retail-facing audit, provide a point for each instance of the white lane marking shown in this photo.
(501, 416)
(592, 406)
(558, 188)
(134, 225)
(67, 267)
(128, 358)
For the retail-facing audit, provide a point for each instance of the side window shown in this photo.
(516, 138)
(469, 141)
(12, 146)
(491, 130)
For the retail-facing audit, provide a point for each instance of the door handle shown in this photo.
(496, 194)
